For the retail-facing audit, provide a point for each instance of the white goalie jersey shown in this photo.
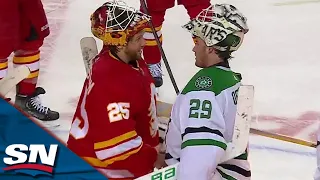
(201, 125)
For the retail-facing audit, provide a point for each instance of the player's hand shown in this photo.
(160, 163)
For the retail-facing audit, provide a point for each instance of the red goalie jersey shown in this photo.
(115, 125)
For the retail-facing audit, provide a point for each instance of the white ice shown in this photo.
(279, 57)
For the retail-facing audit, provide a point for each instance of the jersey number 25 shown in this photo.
(118, 111)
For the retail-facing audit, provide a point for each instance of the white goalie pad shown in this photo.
(13, 78)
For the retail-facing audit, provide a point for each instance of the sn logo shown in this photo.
(19, 158)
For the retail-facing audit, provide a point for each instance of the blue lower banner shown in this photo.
(29, 152)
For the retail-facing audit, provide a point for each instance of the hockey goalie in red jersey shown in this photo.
(115, 127)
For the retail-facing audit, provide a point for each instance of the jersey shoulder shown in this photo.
(214, 79)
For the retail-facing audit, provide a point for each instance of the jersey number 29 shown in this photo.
(200, 109)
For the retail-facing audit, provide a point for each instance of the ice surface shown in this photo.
(279, 56)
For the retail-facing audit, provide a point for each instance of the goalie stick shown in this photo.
(13, 78)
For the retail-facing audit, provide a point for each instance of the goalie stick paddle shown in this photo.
(13, 78)
(242, 123)
(89, 50)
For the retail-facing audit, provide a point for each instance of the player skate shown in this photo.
(32, 105)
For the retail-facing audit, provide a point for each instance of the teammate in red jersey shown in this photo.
(157, 10)
(115, 126)
(23, 27)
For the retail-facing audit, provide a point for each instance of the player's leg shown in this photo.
(34, 28)
(9, 33)
(151, 53)
(194, 7)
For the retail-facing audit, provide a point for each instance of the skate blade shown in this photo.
(48, 124)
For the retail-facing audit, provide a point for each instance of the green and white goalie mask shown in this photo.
(220, 26)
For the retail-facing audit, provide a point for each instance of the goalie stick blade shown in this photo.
(89, 50)
(167, 173)
(13, 78)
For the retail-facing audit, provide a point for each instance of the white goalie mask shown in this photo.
(221, 26)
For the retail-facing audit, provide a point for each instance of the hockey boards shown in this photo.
(13, 78)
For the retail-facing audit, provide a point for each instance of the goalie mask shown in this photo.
(220, 26)
(115, 23)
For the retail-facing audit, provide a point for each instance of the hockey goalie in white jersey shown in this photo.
(203, 115)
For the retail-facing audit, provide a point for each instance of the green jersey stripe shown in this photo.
(201, 129)
(204, 142)
(243, 156)
(212, 79)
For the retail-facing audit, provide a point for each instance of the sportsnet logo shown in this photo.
(24, 159)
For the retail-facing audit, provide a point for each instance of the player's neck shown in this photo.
(213, 62)
(123, 57)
